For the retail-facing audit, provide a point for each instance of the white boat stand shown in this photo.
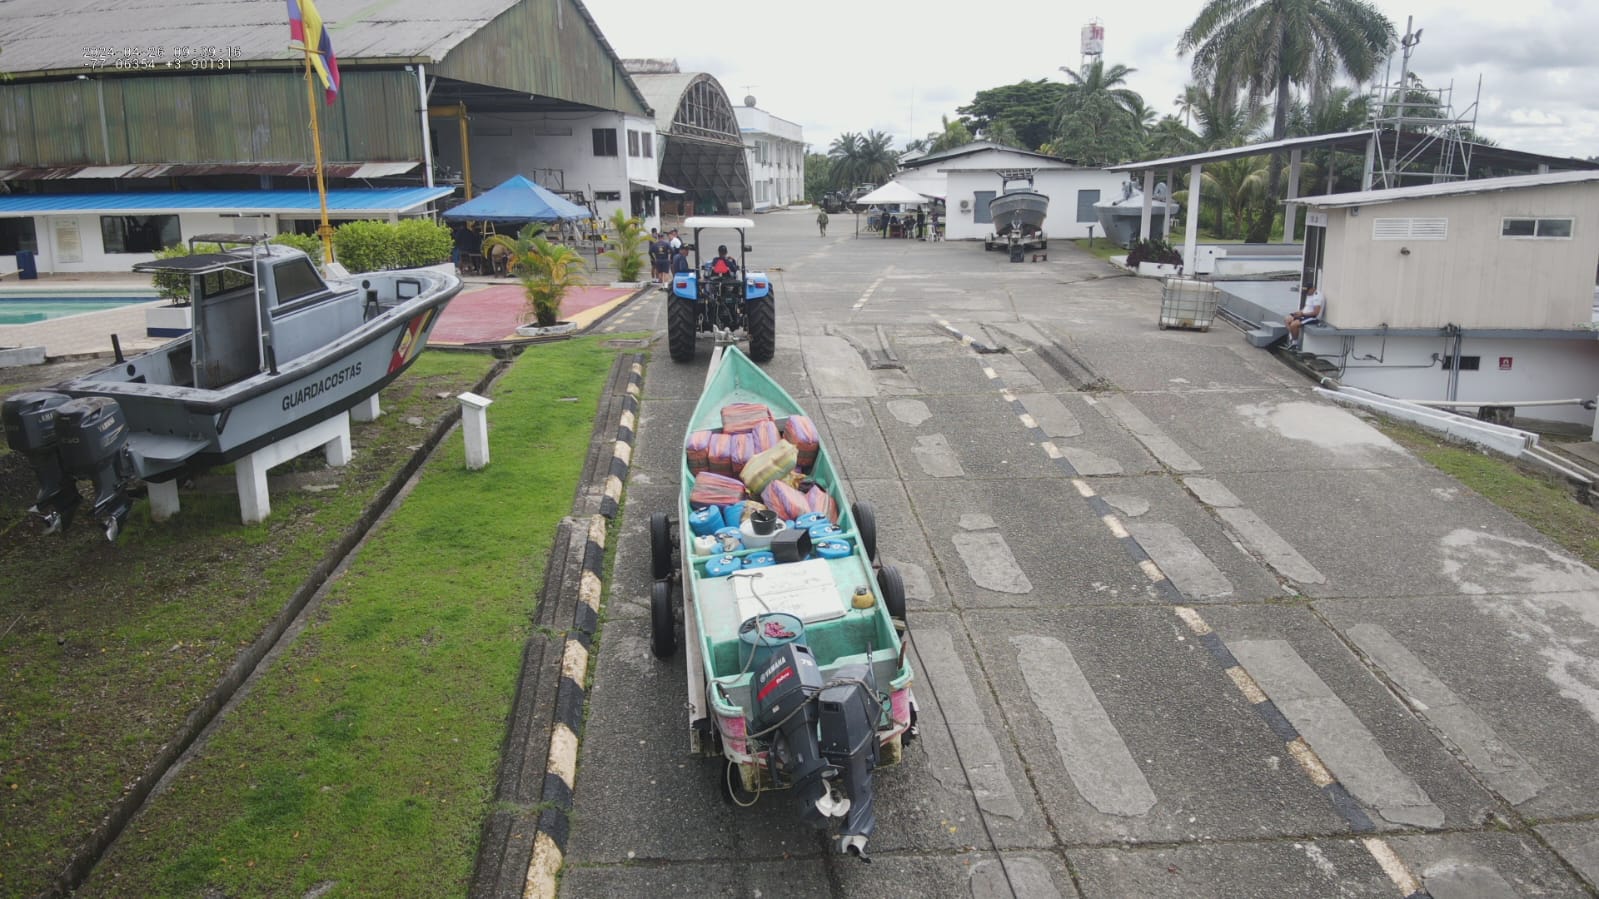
(250, 472)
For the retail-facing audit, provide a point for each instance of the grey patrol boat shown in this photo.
(274, 349)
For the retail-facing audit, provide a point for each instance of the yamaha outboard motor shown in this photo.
(94, 446)
(30, 424)
(847, 719)
(822, 732)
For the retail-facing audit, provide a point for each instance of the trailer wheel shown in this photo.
(680, 326)
(660, 546)
(865, 516)
(663, 624)
(893, 587)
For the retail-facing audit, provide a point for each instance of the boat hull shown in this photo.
(173, 428)
(1024, 208)
(1121, 220)
(711, 615)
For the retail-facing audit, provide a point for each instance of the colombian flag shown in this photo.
(305, 26)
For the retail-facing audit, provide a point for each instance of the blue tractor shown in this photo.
(720, 298)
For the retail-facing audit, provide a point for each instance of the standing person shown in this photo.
(821, 221)
(921, 224)
(661, 254)
(676, 242)
(1309, 313)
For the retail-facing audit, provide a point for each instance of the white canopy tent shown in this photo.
(893, 192)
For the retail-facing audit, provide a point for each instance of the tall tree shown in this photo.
(818, 176)
(845, 152)
(1002, 133)
(877, 160)
(1271, 45)
(1028, 107)
(1226, 117)
(953, 134)
(1099, 120)
(1170, 137)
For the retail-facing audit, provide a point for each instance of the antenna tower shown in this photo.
(1418, 137)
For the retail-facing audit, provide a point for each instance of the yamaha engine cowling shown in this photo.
(94, 446)
(30, 425)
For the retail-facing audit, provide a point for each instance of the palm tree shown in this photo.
(878, 161)
(1271, 45)
(627, 249)
(1226, 119)
(953, 134)
(1098, 121)
(1003, 133)
(1236, 183)
(547, 270)
(845, 151)
(1170, 137)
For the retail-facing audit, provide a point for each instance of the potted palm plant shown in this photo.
(627, 245)
(547, 271)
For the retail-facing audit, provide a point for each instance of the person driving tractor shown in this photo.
(723, 264)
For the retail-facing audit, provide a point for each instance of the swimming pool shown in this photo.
(16, 310)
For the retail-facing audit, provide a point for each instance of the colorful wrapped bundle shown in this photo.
(743, 451)
(712, 489)
(766, 467)
(819, 500)
(720, 454)
(698, 449)
(801, 432)
(737, 418)
(786, 501)
(766, 436)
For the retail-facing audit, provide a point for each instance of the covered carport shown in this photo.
(702, 150)
(1499, 160)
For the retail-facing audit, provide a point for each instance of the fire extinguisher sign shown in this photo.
(1504, 363)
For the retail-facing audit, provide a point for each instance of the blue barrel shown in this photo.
(810, 520)
(832, 549)
(760, 559)
(720, 566)
(763, 634)
(705, 521)
(27, 268)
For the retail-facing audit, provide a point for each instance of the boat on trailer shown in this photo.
(273, 350)
(1018, 215)
(793, 633)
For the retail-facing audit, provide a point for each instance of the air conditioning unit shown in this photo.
(966, 205)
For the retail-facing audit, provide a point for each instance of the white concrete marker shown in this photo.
(1091, 749)
(366, 410)
(1337, 736)
(957, 703)
(1499, 764)
(1277, 552)
(250, 472)
(1182, 561)
(475, 428)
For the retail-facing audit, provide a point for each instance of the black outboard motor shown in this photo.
(847, 718)
(30, 424)
(94, 446)
(823, 731)
(784, 691)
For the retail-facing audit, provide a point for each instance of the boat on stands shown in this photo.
(274, 349)
(793, 633)
(1122, 218)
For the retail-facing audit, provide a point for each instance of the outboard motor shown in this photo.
(823, 731)
(847, 719)
(784, 691)
(30, 422)
(94, 446)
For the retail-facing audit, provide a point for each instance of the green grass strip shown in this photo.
(1102, 248)
(104, 649)
(365, 757)
(1541, 501)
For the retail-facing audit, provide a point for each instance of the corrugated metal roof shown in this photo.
(1344, 140)
(662, 93)
(48, 35)
(172, 170)
(1446, 189)
(343, 201)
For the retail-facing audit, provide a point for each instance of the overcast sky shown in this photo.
(852, 65)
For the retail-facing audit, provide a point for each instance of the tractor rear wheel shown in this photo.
(680, 328)
(760, 320)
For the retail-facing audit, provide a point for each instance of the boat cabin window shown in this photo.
(296, 279)
(215, 283)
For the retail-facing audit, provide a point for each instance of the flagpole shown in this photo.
(326, 230)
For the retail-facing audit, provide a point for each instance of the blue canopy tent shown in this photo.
(517, 200)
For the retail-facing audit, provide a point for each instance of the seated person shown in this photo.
(723, 265)
(1309, 313)
(680, 263)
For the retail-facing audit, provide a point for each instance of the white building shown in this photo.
(1473, 291)
(969, 176)
(776, 151)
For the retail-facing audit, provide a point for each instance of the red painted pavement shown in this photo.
(492, 313)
